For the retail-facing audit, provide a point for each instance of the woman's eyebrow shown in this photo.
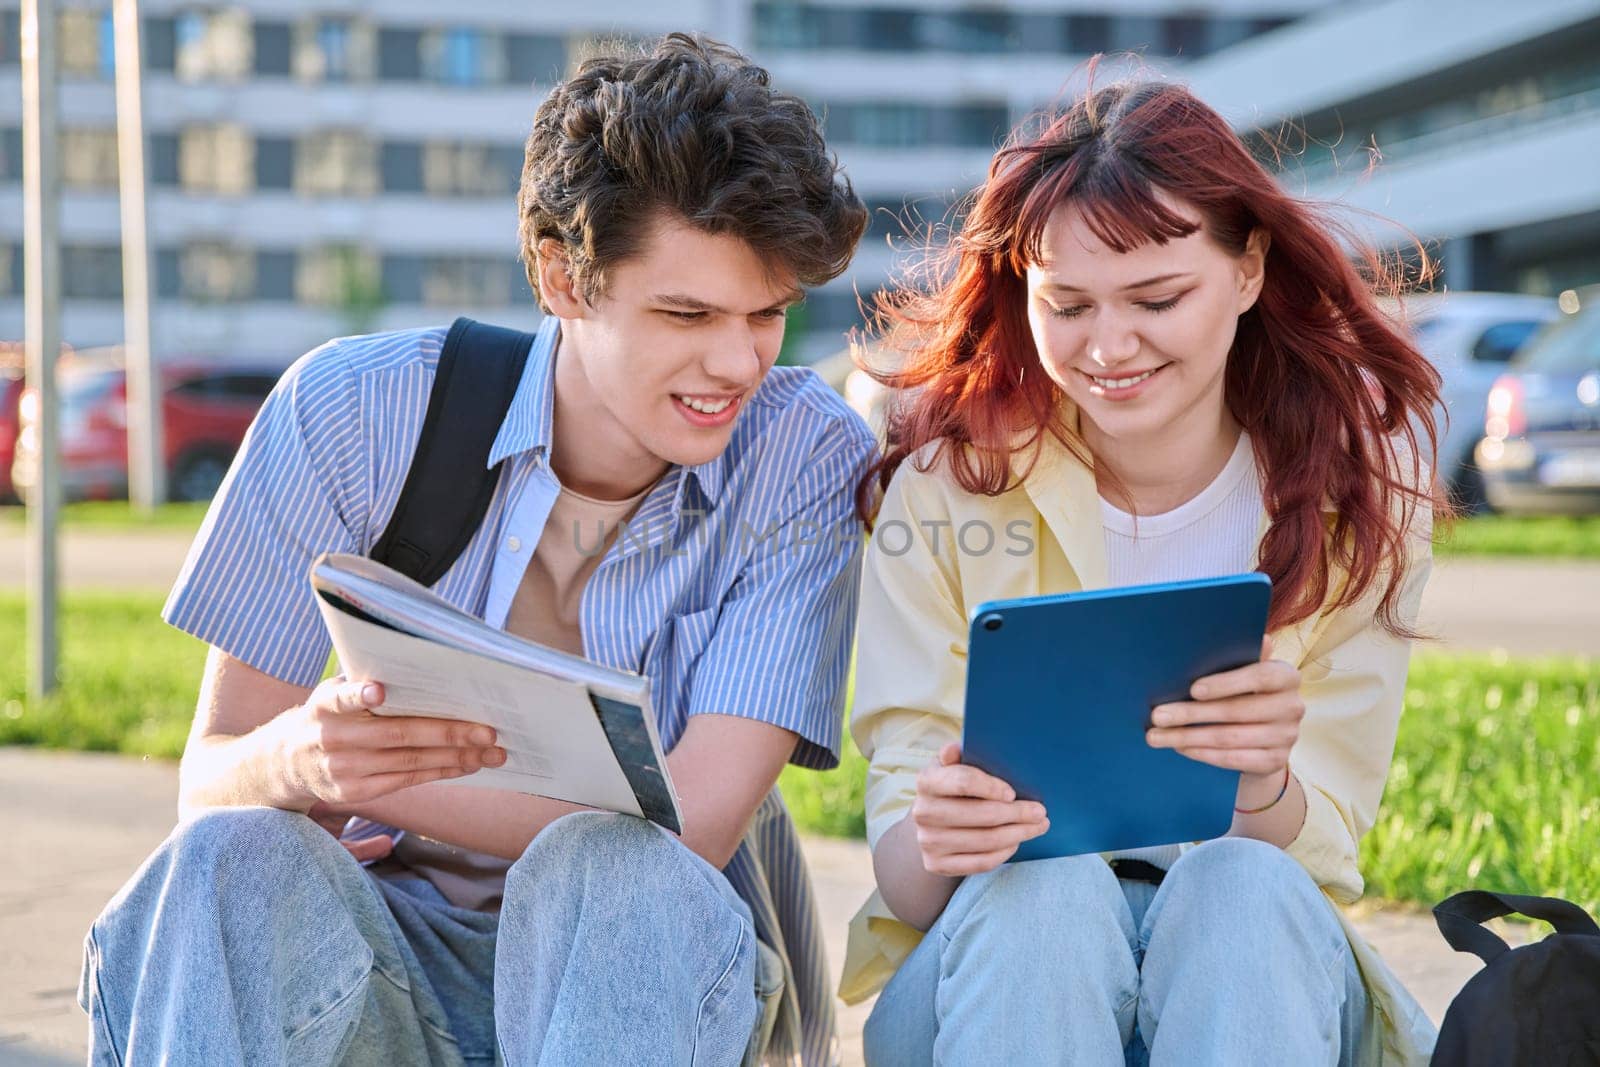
(1143, 283)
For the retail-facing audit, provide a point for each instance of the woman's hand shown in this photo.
(969, 822)
(1245, 720)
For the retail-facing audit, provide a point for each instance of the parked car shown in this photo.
(1470, 337)
(10, 398)
(1541, 446)
(206, 409)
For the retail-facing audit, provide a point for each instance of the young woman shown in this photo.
(1146, 363)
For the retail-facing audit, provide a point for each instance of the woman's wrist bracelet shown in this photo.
(1281, 792)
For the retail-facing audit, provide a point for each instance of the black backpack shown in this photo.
(1538, 1004)
(448, 488)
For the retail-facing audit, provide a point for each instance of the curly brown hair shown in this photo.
(690, 127)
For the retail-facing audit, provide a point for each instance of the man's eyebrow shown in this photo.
(694, 303)
(1143, 283)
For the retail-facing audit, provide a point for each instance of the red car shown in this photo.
(206, 409)
(10, 397)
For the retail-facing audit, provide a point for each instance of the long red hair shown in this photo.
(1339, 404)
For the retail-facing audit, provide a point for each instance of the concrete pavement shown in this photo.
(78, 825)
(1526, 607)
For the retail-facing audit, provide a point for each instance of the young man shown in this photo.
(672, 205)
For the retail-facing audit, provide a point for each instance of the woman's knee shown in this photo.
(1240, 870)
(1250, 886)
(1042, 899)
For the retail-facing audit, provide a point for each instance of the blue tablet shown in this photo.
(1059, 693)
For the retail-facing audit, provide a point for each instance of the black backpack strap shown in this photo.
(449, 486)
(1460, 916)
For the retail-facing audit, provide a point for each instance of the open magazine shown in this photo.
(572, 730)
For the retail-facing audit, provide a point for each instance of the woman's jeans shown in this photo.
(1237, 958)
(252, 937)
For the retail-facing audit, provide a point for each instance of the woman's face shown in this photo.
(1139, 339)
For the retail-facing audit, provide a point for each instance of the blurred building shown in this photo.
(1485, 115)
(326, 168)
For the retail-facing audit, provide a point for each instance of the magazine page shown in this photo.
(556, 746)
(360, 589)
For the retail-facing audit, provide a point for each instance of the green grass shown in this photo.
(128, 681)
(1547, 536)
(1494, 782)
(1493, 785)
(113, 515)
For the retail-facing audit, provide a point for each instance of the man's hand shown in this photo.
(333, 820)
(332, 749)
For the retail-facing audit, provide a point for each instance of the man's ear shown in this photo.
(557, 288)
(1253, 268)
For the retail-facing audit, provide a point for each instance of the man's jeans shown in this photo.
(1236, 959)
(252, 937)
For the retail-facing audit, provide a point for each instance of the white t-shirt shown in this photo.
(1210, 536)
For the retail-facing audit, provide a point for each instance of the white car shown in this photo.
(1470, 337)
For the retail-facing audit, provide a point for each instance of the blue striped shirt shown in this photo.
(733, 586)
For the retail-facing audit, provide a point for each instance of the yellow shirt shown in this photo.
(924, 577)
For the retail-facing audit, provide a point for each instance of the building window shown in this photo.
(339, 276)
(213, 272)
(891, 125)
(971, 125)
(10, 38)
(1087, 34)
(969, 31)
(787, 25)
(402, 279)
(883, 30)
(1186, 35)
(274, 275)
(10, 269)
(401, 165)
(532, 58)
(400, 55)
(450, 169)
(10, 154)
(274, 49)
(507, 159)
(336, 163)
(160, 44)
(1136, 33)
(452, 281)
(333, 50)
(169, 276)
(89, 158)
(1041, 34)
(216, 159)
(463, 56)
(274, 163)
(214, 45)
(162, 159)
(91, 272)
(82, 41)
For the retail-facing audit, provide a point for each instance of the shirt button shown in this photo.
(513, 544)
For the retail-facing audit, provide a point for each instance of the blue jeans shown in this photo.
(1236, 959)
(252, 937)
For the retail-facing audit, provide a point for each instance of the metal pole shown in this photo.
(41, 182)
(146, 472)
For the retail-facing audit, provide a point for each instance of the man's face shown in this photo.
(670, 353)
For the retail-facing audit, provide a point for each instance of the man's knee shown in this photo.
(609, 855)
